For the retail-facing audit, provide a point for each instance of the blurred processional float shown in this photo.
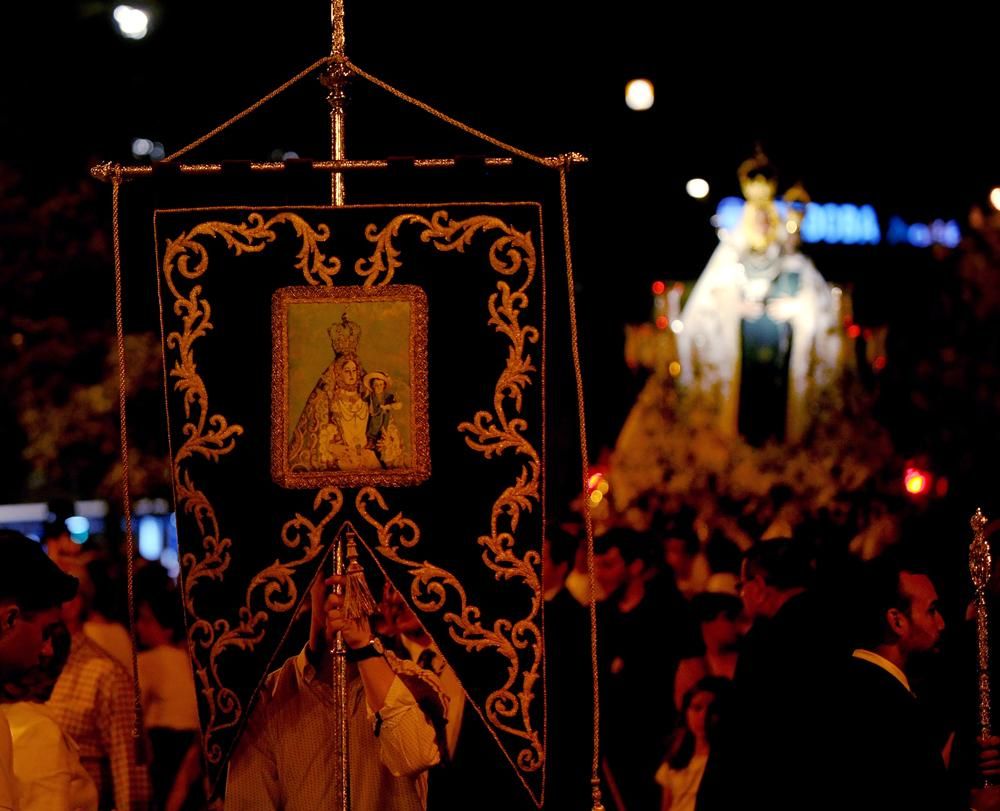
(406, 351)
(752, 384)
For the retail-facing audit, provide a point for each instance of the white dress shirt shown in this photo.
(286, 759)
(46, 763)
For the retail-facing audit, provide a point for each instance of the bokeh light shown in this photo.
(697, 188)
(639, 94)
(132, 23)
(916, 481)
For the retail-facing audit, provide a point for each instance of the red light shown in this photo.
(658, 288)
(916, 481)
(879, 363)
(854, 331)
(661, 322)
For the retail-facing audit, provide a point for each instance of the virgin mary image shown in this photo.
(332, 431)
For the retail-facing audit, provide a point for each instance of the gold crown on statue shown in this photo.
(344, 337)
(757, 166)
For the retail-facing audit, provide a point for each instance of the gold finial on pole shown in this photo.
(335, 81)
(980, 568)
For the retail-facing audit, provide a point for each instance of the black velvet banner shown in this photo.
(374, 368)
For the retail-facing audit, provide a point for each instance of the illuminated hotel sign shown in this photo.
(846, 224)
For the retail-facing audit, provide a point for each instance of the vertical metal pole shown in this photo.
(336, 83)
(980, 568)
(339, 652)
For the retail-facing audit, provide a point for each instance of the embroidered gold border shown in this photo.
(491, 434)
(210, 437)
(421, 469)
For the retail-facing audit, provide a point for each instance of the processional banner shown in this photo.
(377, 370)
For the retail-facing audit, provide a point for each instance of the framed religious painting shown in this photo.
(349, 386)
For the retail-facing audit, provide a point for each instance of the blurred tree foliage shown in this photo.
(58, 358)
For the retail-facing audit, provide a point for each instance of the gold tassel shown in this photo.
(358, 600)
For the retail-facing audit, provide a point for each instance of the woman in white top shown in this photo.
(169, 702)
(681, 771)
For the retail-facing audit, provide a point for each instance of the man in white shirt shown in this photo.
(32, 590)
(286, 758)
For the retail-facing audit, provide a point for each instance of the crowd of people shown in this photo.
(80, 678)
(787, 675)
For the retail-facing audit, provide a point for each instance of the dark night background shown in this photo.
(897, 112)
(898, 115)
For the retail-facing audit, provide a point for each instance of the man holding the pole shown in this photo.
(286, 759)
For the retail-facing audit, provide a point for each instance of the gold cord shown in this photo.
(399, 94)
(298, 77)
(106, 170)
(550, 162)
(595, 781)
(126, 497)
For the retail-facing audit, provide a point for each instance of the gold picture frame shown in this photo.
(349, 387)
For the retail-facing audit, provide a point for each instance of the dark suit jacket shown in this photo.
(639, 651)
(569, 685)
(773, 748)
(891, 754)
